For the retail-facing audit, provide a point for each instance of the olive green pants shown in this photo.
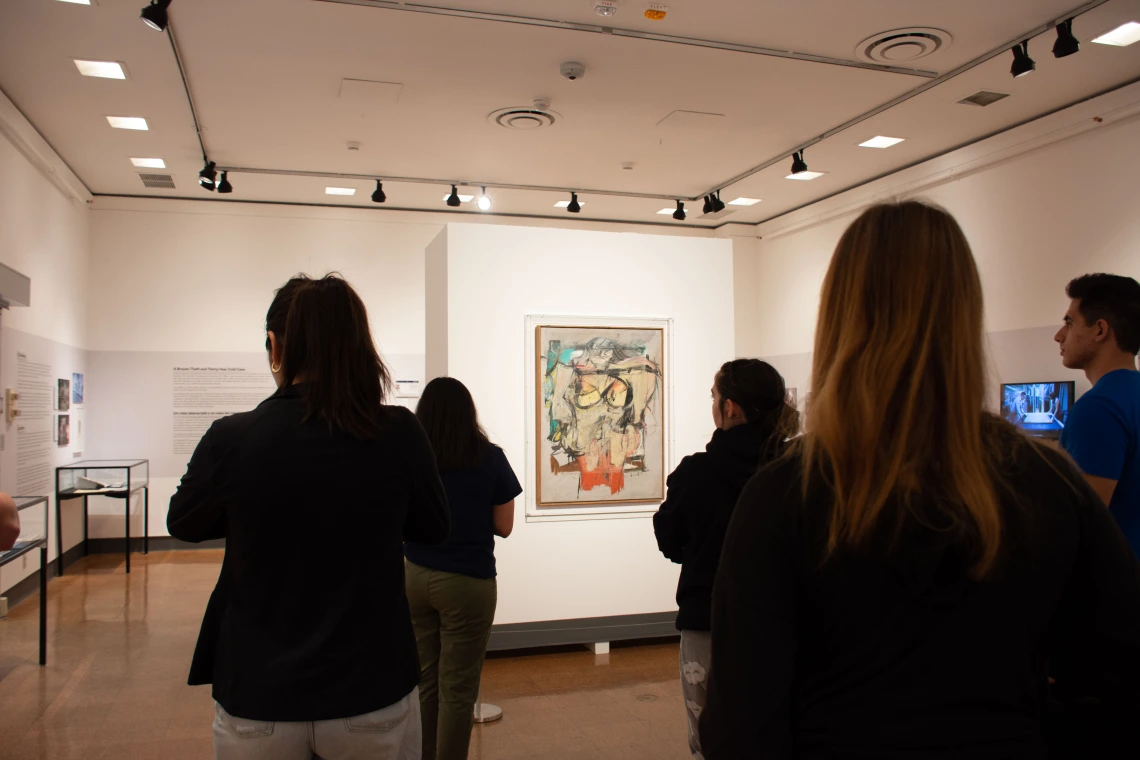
(452, 615)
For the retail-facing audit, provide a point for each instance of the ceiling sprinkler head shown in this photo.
(353, 145)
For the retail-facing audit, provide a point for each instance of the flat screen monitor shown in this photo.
(1040, 409)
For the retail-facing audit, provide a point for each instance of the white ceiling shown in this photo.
(266, 77)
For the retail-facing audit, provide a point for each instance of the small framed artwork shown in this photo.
(63, 395)
(63, 430)
(76, 388)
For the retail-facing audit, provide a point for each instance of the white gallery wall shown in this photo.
(1040, 205)
(44, 236)
(177, 283)
(483, 282)
(187, 284)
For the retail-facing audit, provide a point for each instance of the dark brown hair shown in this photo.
(322, 327)
(447, 412)
(760, 392)
(1116, 300)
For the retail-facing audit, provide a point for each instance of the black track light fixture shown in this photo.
(574, 206)
(154, 15)
(708, 207)
(379, 196)
(1066, 43)
(717, 203)
(679, 214)
(1022, 63)
(224, 186)
(453, 199)
(207, 176)
(799, 166)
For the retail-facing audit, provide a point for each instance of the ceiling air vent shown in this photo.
(162, 181)
(526, 118)
(983, 98)
(901, 46)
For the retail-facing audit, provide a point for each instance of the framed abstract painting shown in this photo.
(600, 414)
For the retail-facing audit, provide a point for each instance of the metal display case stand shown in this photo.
(27, 544)
(113, 478)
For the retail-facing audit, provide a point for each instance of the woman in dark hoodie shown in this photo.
(752, 422)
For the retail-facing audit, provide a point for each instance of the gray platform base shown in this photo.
(545, 633)
(549, 633)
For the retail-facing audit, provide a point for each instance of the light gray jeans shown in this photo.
(696, 663)
(391, 733)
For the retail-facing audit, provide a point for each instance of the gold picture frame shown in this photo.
(600, 396)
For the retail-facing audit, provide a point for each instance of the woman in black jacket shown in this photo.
(752, 421)
(307, 638)
(908, 581)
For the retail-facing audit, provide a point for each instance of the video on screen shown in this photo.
(1040, 409)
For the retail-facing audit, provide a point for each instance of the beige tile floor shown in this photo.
(119, 647)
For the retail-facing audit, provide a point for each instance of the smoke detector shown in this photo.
(901, 46)
(605, 8)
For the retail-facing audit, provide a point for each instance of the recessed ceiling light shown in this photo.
(1122, 36)
(462, 198)
(340, 191)
(149, 163)
(806, 175)
(881, 142)
(102, 69)
(744, 202)
(564, 204)
(77, 2)
(128, 122)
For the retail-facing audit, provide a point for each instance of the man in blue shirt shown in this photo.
(1101, 336)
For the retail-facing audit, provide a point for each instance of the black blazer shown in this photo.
(309, 620)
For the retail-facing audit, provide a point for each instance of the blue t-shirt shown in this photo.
(472, 495)
(1102, 434)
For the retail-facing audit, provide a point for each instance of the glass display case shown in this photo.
(113, 478)
(33, 535)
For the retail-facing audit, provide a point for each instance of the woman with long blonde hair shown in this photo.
(905, 581)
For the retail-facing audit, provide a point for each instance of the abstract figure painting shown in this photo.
(600, 415)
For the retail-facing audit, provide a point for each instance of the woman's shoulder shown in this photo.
(1029, 462)
(775, 493)
(394, 417)
(690, 467)
(492, 456)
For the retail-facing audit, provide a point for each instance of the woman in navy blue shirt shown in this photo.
(451, 588)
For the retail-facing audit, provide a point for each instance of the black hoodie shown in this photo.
(894, 652)
(690, 525)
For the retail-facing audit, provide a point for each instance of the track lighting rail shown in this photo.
(446, 182)
(673, 39)
(929, 85)
(1066, 45)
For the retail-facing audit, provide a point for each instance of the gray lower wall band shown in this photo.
(545, 633)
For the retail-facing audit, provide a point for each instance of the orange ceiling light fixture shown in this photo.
(656, 11)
